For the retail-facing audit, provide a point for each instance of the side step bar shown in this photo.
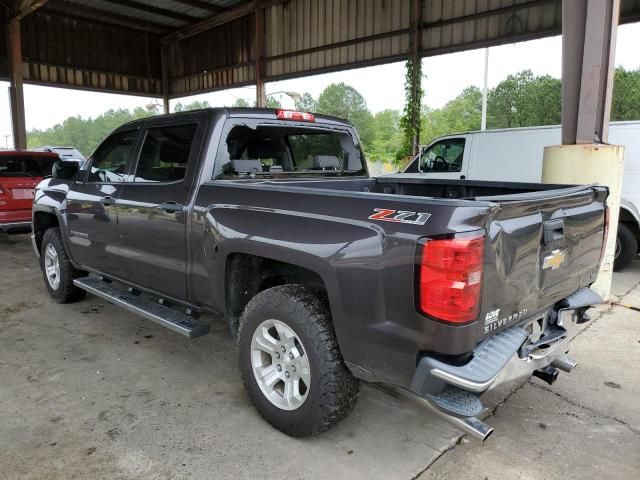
(167, 317)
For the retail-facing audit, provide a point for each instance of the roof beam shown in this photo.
(227, 16)
(25, 7)
(150, 8)
(209, 7)
(75, 11)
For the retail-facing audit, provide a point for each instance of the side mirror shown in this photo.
(64, 170)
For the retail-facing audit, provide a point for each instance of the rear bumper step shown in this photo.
(509, 356)
(167, 317)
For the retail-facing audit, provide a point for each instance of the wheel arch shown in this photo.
(630, 217)
(247, 274)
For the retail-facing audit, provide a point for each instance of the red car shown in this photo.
(20, 172)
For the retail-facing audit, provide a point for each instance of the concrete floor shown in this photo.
(90, 391)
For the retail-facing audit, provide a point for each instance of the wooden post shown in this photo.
(261, 95)
(16, 84)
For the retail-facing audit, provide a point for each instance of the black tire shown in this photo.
(333, 390)
(65, 291)
(626, 247)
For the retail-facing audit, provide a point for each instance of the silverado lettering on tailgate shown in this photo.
(493, 321)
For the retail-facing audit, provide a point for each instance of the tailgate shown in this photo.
(540, 247)
(17, 193)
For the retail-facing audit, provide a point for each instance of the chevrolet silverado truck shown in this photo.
(268, 218)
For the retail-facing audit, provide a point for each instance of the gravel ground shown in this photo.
(90, 391)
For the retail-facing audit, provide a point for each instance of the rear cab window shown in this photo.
(36, 166)
(250, 147)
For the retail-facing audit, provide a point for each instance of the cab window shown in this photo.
(165, 153)
(110, 162)
(443, 156)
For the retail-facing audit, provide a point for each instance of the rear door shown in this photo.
(153, 205)
(92, 217)
(540, 247)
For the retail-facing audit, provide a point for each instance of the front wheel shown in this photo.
(57, 269)
(290, 362)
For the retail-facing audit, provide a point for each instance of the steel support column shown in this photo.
(261, 94)
(415, 80)
(588, 48)
(164, 66)
(16, 85)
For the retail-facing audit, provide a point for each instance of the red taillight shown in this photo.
(451, 277)
(293, 115)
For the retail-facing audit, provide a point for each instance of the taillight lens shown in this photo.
(293, 115)
(451, 277)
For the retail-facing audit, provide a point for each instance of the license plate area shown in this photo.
(546, 334)
(23, 193)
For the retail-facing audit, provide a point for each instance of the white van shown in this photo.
(515, 155)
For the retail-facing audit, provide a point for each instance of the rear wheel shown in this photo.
(290, 362)
(626, 247)
(57, 269)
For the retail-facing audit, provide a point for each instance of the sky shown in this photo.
(446, 76)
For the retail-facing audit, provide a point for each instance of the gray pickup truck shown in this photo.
(326, 276)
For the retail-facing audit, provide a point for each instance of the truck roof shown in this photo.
(27, 153)
(264, 113)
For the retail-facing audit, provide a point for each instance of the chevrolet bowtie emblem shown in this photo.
(554, 260)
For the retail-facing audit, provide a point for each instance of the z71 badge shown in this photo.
(399, 216)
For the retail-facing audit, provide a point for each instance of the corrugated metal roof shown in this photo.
(115, 44)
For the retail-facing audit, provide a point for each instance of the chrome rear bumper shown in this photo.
(510, 356)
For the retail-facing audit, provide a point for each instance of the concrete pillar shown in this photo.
(16, 84)
(261, 94)
(584, 164)
(588, 52)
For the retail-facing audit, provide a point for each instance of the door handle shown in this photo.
(108, 200)
(553, 231)
(171, 207)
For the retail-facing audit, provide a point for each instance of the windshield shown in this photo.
(288, 151)
(25, 166)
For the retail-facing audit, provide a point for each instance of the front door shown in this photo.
(153, 205)
(91, 213)
(447, 158)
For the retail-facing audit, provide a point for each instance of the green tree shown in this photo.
(342, 100)
(84, 133)
(195, 105)
(306, 103)
(273, 102)
(626, 95)
(241, 103)
(412, 109)
(524, 100)
(387, 136)
(461, 114)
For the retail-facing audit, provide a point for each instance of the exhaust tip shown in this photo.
(565, 364)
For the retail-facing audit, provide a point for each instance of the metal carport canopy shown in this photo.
(125, 46)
